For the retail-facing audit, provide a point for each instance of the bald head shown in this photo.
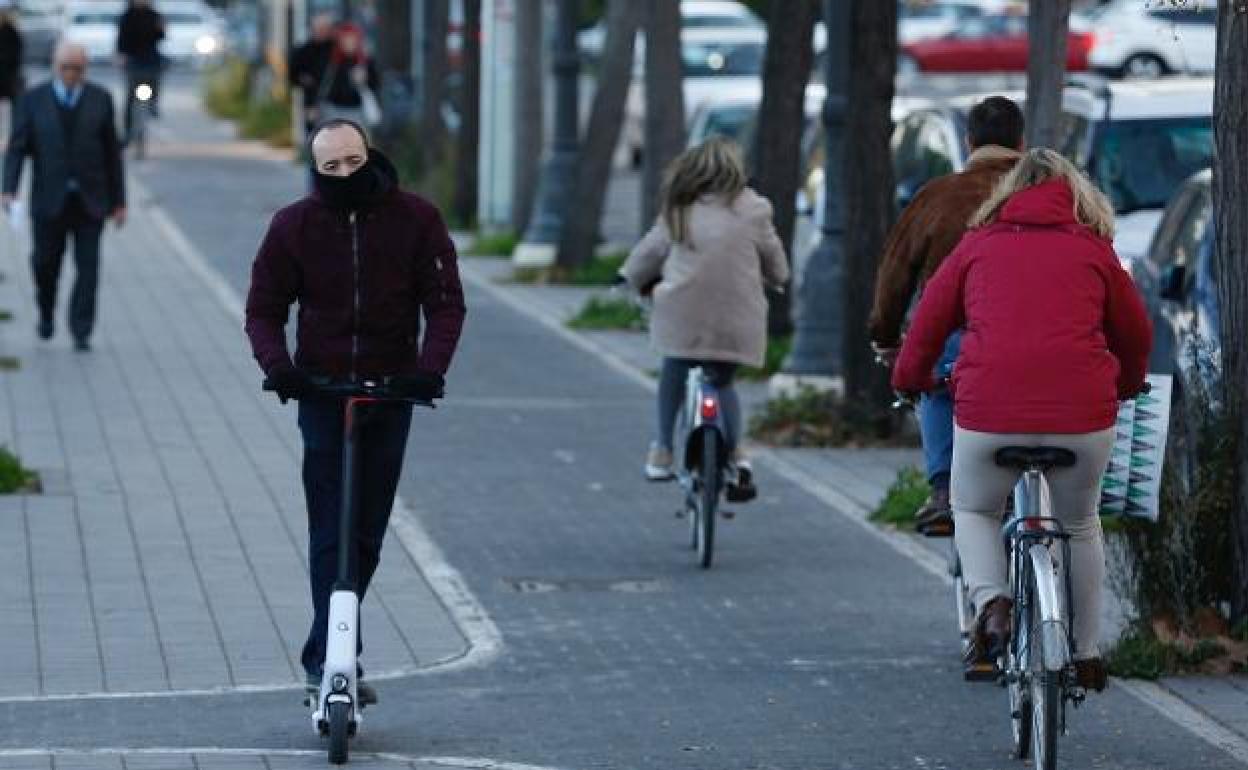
(339, 150)
(70, 63)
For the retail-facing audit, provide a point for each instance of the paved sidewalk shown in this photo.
(213, 760)
(852, 480)
(167, 552)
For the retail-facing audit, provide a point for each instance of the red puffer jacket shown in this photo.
(1055, 330)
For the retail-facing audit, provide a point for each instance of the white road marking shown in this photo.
(468, 763)
(1165, 703)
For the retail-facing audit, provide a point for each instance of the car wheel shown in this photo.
(1144, 66)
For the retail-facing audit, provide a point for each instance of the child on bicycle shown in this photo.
(1055, 334)
(706, 262)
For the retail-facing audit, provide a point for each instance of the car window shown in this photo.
(710, 59)
(96, 17)
(1139, 164)
(700, 22)
(935, 155)
(1162, 250)
(1201, 15)
(183, 17)
(1072, 138)
(1191, 230)
(728, 122)
(906, 167)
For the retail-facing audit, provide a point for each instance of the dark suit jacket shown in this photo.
(93, 149)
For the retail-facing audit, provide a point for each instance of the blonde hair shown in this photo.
(1041, 164)
(713, 167)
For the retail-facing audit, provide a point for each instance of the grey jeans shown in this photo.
(978, 491)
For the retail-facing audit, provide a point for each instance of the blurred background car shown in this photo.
(1148, 40)
(992, 43)
(694, 14)
(40, 22)
(923, 21)
(194, 33)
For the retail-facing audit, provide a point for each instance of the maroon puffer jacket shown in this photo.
(362, 283)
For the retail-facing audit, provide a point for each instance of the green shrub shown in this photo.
(1140, 654)
(227, 88)
(268, 120)
(13, 476)
(6, 315)
(814, 418)
(906, 495)
(609, 313)
(494, 245)
(599, 271)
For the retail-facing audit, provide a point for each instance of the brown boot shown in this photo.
(935, 518)
(992, 631)
(1090, 674)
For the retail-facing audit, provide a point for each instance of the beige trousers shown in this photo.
(978, 489)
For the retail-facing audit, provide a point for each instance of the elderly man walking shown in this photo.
(66, 127)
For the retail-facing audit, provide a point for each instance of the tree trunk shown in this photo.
(781, 120)
(869, 198)
(529, 113)
(394, 38)
(1047, 27)
(1230, 203)
(580, 231)
(665, 101)
(466, 155)
(432, 126)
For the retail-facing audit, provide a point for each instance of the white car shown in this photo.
(694, 14)
(1147, 40)
(40, 22)
(923, 21)
(194, 33)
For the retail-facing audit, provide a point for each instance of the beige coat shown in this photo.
(709, 303)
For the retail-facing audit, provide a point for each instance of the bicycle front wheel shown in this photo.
(709, 497)
(1044, 685)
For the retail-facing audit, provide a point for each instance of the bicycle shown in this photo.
(336, 709)
(141, 111)
(702, 436)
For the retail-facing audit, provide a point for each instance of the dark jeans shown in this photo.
(936, 419)
(672, 396)
(383, 437)
(51, 235)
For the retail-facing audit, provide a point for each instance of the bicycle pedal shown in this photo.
(935, 531)
(980, 672)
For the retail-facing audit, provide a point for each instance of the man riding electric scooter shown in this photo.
(365, 261)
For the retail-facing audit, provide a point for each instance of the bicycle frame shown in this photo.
(702, 412)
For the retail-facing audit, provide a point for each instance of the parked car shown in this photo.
(924, 21)
(1179, 281)
(996, 43)
(694, 14)
(40, 22)
(1147, 40)
(1138, 141)
(194, 34)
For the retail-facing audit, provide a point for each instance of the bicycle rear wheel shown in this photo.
(1044, 686)
(1018, 655)
(709, 497)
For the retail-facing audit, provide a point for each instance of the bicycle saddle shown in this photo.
(1042, 457)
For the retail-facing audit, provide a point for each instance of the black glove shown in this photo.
(289, 382)
(422, 386)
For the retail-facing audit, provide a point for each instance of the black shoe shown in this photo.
(82, 345)
(46, 328)
(742, 489)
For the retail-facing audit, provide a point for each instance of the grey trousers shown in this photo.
(978, 491)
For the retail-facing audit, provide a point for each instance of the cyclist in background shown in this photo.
(707, 261)
(928, 229)
(139, 32)
(1055, 334)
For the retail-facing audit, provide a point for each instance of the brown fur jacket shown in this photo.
(928, 230)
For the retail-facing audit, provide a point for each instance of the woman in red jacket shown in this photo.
(1055, 334)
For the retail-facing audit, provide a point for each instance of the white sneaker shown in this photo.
(659, 464)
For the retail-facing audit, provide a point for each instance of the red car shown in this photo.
(986, 44)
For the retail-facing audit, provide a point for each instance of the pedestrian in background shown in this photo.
(707, 261)
(349, 85)
(139, 32)
(308, 64)
(10, 65)
(66, 126)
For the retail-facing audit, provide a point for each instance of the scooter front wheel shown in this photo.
(339, 729)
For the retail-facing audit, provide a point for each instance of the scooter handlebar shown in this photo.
(381, 389)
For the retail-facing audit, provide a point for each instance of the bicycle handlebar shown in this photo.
(380, 390)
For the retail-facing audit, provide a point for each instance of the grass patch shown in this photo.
(6, 315)
(600, 271)
(777, 350)
(906, 495)
(494, 245)
(813, 418)
(609, 313)
(10, 363)
(14, 477)
(227, 89)
(268, 119)
(1141, 654)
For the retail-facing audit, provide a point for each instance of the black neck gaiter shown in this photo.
(351, 193)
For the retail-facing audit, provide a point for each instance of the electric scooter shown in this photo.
(336, 712)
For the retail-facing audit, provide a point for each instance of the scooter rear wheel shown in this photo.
(339, 728)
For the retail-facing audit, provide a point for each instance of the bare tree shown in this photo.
(580, 231)
(529, 112)
(665, 100)
(869, 195)
(432, 125)
(469, 141)
(781, 119)
(1048, 26)
(1230, 203)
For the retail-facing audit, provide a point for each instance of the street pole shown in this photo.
(538, 247)
(496, 162)
(815, 359)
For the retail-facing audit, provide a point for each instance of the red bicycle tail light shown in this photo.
(710, 408)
